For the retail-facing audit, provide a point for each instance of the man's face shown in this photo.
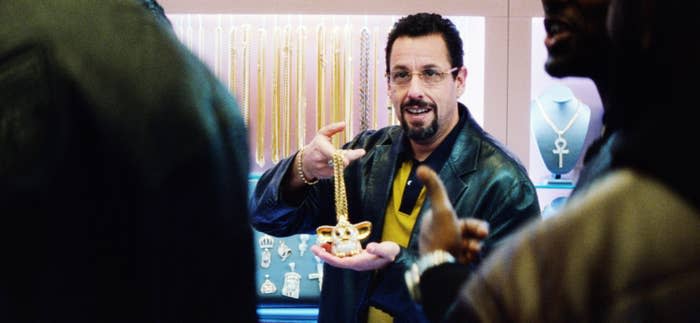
(576, 41)
(427, 110)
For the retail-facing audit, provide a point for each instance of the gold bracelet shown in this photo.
(301, 172)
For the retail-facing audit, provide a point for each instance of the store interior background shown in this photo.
(504, 55)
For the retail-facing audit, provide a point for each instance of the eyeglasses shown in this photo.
(429, 76)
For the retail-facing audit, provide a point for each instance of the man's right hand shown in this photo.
(317, 154)
(441, 229)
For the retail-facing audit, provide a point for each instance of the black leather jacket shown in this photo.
(483, 181)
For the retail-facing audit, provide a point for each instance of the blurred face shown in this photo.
(426, 104)
(576, 41)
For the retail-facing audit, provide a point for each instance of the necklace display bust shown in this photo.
(559, 122)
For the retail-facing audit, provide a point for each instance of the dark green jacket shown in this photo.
(121, 160)
(483, 181)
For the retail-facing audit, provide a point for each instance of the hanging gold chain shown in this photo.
(260, 144)
(276, 113)
(341, 199)
(286, 90)
(232, 66)
(320, 77)
(301, 96)
(246, 75)
(344, 237)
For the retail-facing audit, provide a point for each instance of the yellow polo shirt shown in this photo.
(397, 225)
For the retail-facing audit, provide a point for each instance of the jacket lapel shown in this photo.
(462, 161)
(380, 176)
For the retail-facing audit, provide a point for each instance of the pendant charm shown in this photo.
(283, 251)
(561, 149)
(344, 237)
(319, 273)
(303, 245)
(266, 243)
(292, 283)
(268, 287)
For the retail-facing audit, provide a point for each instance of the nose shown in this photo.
(415, 88)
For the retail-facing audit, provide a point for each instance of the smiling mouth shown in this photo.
(557, 30)
(416, 110)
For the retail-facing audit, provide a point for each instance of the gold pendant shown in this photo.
(344, 237)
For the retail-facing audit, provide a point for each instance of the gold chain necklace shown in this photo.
(246, 74)
(320, 77)
(301, 97)
(344, 237)
(276, 123)
(232, 66)
(218, 34)
(341, 200)
(286, 96)
(260, 145)
(560, 143)
(348, 84)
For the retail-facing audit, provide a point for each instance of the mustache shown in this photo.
(418, 103)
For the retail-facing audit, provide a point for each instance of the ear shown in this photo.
(461, 80)
(325, 234)
(364, 228)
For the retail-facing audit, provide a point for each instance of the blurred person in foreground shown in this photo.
(626, 249)
(122, 163)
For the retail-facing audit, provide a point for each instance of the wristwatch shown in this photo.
(425, 262)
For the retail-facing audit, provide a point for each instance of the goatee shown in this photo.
(419, 133)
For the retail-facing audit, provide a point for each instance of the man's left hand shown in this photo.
(375, 256)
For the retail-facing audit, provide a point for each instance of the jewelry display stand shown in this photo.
(559, 122)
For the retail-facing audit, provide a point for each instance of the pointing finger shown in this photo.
(331, 129)
(442, 208)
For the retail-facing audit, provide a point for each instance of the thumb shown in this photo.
(385, 249)
(443, 213)
(331, 129)
(352, 154)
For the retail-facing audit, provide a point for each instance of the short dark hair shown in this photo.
(424, 24)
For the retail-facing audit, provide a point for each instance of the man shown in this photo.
(119, 156)
(624, 250)
(426, 76)
(577, 45)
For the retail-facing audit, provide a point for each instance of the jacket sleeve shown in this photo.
(276, 215)
(511, 205)
(273, 214)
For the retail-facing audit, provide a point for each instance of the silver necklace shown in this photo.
(560, 143)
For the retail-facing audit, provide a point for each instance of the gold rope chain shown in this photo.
(341, 199)
(344, 237)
